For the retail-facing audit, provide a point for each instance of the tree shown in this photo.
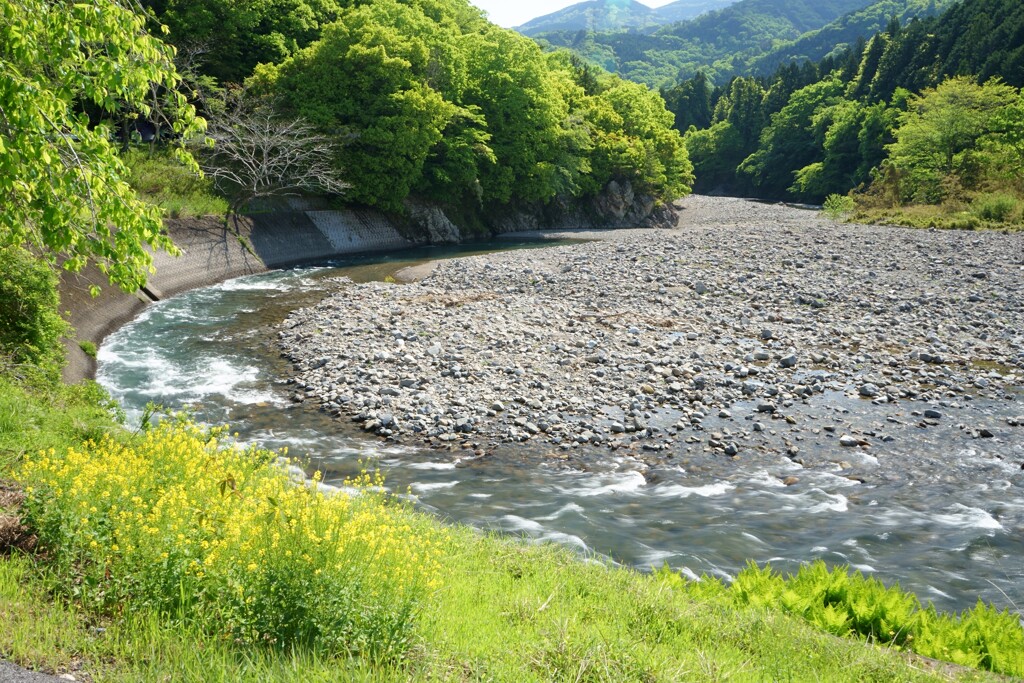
(243, 33)
(939, 136)
(742, 108)
(690, 102)
(62, 185)
(366, 80)
(258, 155)
(791, 141)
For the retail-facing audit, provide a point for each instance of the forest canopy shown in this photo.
(431, 100)
(926, 113)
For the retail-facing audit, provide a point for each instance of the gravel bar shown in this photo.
(746, 313)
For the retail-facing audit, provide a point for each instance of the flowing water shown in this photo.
(945, 517)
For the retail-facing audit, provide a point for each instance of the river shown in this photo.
(949, 526)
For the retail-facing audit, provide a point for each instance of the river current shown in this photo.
(948, 525)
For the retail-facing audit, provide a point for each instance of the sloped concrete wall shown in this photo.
(212, 253)
(353, 232)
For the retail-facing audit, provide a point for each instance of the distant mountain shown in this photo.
(844, 32)
(618, 15)
(719, 42)
(594, 15)
(683, 10)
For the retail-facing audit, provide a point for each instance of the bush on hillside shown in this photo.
(31, 327)
(221, 537)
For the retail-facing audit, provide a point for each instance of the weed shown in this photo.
(220, 537)
(998, 208)
(159, 179)
(850, 604)
(838, 206)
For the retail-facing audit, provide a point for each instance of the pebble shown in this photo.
(621, 350)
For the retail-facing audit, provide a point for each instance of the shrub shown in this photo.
(221, 537)
(838, 206)
(997, 208)
(159, 179)
(31, 327)
(88, 348)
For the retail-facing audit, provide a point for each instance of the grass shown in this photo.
(490, 608)
(988, 211)
(159, 179)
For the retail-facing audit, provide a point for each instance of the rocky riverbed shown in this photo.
(748, 331)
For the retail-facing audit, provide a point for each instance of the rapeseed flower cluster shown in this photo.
(220, 536)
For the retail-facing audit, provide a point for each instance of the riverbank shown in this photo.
(505, 611)
(210, 253)
(751, 330)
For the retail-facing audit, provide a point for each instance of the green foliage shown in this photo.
(844, 31)
(719, 43)
(850, 604)
(37, 413)
(791, 140)
(432, 101)
(31, 328)
(838, 206)
(158, 179)
(805, 137)
(998, 207)
(88, 348)
(982, 637)
(236, 36)
(63, 185)
(940, 135)
(221, 538)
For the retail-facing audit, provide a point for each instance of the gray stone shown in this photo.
(868, 390)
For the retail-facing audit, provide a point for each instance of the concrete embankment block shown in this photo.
(353, 232)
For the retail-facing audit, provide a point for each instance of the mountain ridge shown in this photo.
(712, 42)
(618, 15)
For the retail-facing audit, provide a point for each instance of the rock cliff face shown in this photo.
(431, 222)
(618, 206)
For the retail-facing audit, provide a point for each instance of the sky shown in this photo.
(511, 13)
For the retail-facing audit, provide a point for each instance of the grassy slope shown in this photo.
(160, 180)
(508, 612)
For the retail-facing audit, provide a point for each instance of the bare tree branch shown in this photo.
(257, 154)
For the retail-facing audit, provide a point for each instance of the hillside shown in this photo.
(844, 32)
(717, 42)
(594, 15)
(618, 15)
(928, 115)
(683, 10)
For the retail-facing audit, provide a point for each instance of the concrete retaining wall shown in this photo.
(212, 253)
(353, 232)
(303, 232)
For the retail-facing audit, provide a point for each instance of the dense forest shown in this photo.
(723, 43)
(427, 98)
(924, 113)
